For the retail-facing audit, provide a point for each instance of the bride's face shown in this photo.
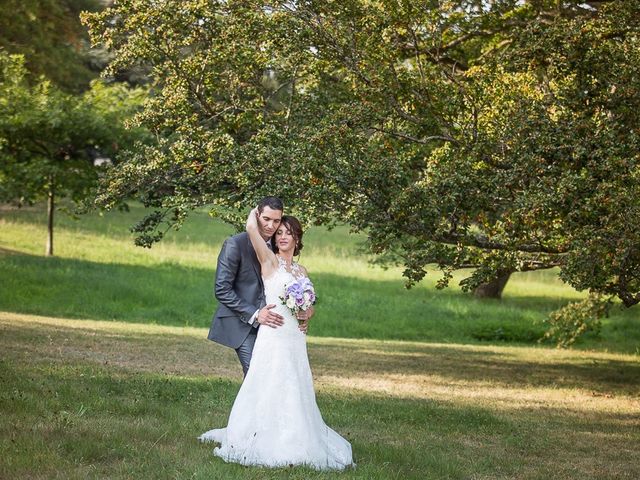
(285, 239)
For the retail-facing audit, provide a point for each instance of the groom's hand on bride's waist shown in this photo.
(270, 318)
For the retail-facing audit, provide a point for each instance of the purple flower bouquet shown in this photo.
(299, 295)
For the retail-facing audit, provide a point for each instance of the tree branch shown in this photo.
(485, 244)
(422, 141)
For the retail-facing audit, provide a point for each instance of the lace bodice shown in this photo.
(274, 287)
(294, 269)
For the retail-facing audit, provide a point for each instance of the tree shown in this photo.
(49, 35)
(493, 288)
(47, 136)
(497, 136)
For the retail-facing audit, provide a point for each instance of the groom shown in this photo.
(239, 288)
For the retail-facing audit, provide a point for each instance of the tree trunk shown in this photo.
(50, 210)
(494, 288)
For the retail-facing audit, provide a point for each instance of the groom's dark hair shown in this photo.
(273, 203)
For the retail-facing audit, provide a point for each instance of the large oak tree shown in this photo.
(499, 136)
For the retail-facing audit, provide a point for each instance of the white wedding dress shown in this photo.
(275, 420)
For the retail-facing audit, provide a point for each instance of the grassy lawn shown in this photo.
(105, 370)
(95, 399)
(98, 273)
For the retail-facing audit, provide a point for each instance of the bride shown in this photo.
(275, 420)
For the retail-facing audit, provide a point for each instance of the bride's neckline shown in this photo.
(283, 262)
(292, 268)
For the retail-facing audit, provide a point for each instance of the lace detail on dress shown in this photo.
(294, 269)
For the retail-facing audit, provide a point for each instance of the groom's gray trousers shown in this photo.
(240, 292)
(245, 350)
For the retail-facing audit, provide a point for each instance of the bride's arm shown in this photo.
(267, 259)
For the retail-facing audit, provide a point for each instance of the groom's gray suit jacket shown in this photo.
(239, 290)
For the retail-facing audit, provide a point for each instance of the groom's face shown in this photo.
(269, 221)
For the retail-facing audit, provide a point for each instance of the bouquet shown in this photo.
(299, 295)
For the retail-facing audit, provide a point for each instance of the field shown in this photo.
(106, 371)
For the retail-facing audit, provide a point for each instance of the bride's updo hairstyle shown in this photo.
(293, 225)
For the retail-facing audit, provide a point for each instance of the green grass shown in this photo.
(105, 370)
(89, 399)
(99, 274)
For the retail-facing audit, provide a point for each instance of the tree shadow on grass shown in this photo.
(8, 251)
(172, 294)
(164, 294)
(452, 366)
(602, 376)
